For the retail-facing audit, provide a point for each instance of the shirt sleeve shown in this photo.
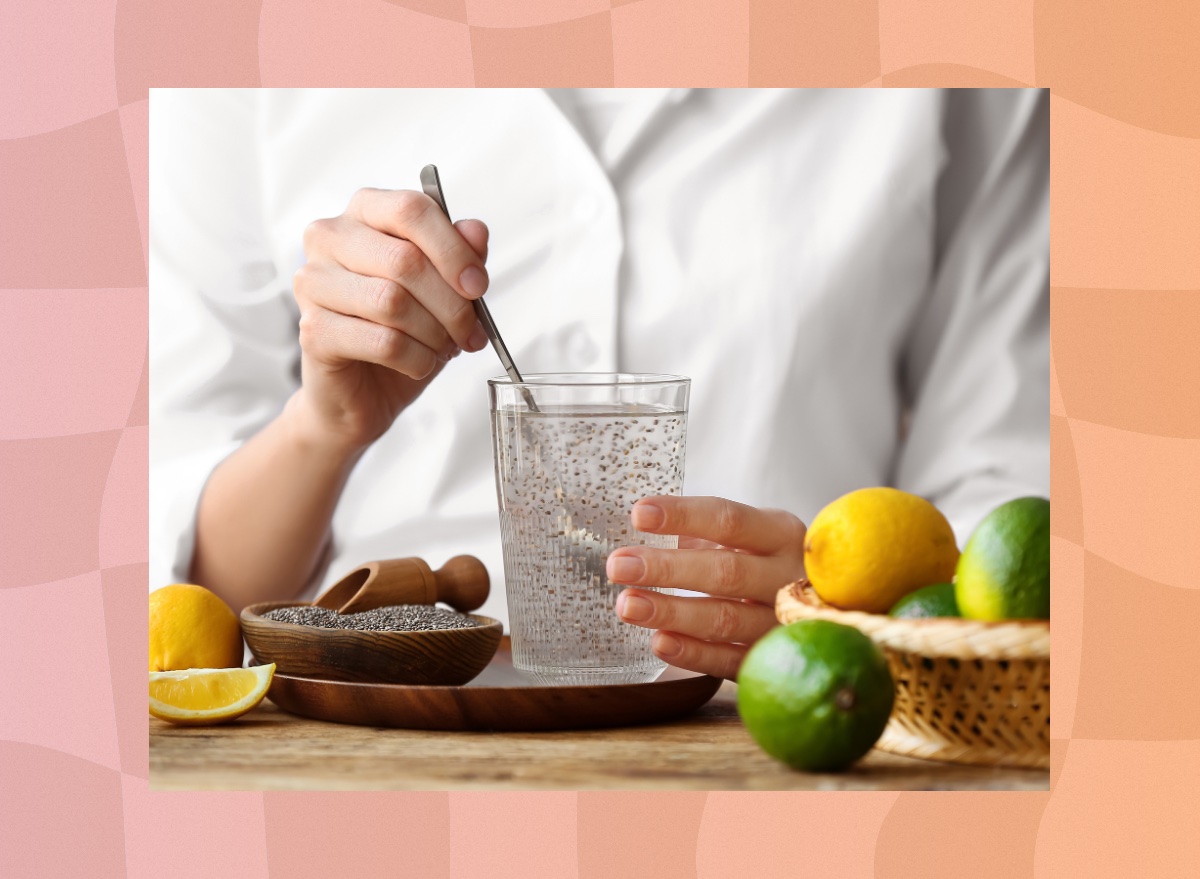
(976, 371)
(223, 344)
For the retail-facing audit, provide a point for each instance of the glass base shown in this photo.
(548, 676)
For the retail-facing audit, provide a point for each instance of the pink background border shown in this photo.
(73, 436)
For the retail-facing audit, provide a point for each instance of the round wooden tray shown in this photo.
(501, 699)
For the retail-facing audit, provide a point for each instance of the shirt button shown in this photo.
(585, 208)
(580, 347)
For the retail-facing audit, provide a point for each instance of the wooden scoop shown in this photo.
(461, 583)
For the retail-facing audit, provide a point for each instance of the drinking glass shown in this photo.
(573, 453)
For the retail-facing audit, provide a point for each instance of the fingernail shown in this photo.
(477, 341)
(474, 281)
(636, 608)
(647, 517)
(667, 645)
(626, 569)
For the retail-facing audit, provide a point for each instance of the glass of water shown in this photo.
(574, 452)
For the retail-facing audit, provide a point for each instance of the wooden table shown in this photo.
(710, 750)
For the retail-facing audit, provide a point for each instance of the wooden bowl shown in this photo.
(446, 657)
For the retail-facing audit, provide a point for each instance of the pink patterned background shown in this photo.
(73, 436)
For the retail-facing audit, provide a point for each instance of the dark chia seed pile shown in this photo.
(394, 618)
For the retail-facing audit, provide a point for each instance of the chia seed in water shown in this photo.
(393, 618)
(562, 473)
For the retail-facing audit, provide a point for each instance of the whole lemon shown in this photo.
(191, 627)
(871, 547)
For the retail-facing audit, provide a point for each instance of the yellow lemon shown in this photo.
(871, 547)
(192, 628)
(199, 696)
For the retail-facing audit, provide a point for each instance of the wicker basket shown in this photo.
(966, 691)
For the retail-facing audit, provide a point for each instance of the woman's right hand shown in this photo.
(385, 302)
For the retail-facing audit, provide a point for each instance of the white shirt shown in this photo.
(610, 119)
(856, 282)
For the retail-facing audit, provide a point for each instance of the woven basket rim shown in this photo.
(950, 637)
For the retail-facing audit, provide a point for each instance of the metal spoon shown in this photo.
(431, 185)
(587, 552)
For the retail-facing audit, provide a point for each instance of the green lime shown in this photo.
(815, 694)
(928, 601)
(1004, 573)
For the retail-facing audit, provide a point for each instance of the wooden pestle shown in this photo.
(461, 583)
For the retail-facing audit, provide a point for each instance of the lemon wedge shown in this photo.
(201, 696)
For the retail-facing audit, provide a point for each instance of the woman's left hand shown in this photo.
(739, 555)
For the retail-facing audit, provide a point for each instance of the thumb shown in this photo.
(475, 233)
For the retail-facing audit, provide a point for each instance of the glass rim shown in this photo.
(615, 380)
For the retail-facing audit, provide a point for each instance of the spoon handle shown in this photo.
(431, 185)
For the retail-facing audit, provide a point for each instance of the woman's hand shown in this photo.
(385, 301)
(739, 555)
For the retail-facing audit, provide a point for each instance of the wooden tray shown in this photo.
(501, 699)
